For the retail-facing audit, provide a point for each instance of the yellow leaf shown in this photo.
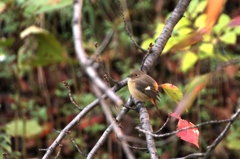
(172, 91)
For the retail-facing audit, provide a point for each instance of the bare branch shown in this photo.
(70, 95)
(194, 155)
(177, 131)
(163, 126)
(74, 143)
(107, 132)
(82, 57)
(145, 123)
(224, 64)
(116, 128)
(222, 135)
(105, 71)
(59, 150)
(126, 28)
(76, 120)
(105, 43)
(165, 35)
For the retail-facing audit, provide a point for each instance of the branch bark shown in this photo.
(165, 34)
(86, 63)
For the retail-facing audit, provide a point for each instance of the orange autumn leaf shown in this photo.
(214, 8)
(190, 135)
(189, 40)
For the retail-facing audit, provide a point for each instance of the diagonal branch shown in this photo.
(161, 41)
(77, 119)
(107, 132)
(222, 135)
(113, 122)
(82, 57)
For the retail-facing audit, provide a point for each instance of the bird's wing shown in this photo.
(149, 90)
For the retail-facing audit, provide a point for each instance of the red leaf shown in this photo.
(175, 115)
(234, 22)
(190, 135)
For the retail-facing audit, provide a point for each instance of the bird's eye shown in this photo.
(136, 75)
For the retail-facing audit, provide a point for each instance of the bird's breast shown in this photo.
(135, 92)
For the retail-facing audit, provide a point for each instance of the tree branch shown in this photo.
(165, 35)
(113, 122)
(107, 132)
(82, 57)
(145, 124)
(77, 119)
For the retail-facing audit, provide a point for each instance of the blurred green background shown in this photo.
(37, 55)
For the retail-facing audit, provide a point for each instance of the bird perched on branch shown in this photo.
(143, 87)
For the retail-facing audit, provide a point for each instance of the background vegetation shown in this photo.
(34, 62)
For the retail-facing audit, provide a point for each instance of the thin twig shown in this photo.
(222, 135)
(230, 62)
(59, 150)
(74, 143)
(163, 126)
(106, 73)
(70, 95)
(186, 128)
(138, 148)
(127, 30)
(105, 43)
(194, 155)
(145, 57)
(107, 131)
(116, 128)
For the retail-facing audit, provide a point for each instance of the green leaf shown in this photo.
(200, 21)
(184, 22)
(206, 50)
(16, 128)
(6, 42)
(188, 61)
(185, 31)
(234, 144)
(49, 50)
(172, 91)
(197, 8)
(171, 42)
(158, 30)
(237, 30)
(229, 37)
(43, 6)
(222, 23)
(192, 6)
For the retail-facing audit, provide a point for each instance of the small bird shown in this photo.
(143, 87)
